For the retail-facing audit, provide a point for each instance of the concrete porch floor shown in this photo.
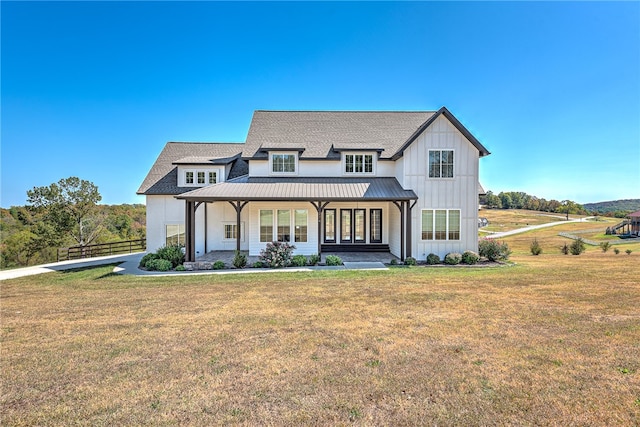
(227, 257)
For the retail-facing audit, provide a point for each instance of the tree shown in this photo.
(70, 207)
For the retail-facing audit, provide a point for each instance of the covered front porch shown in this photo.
(344, 203)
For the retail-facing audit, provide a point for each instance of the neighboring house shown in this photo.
(324, 181)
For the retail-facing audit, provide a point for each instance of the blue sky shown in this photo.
(95, 89)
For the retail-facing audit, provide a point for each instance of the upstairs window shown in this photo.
(283, 163)
(188, 177)
(358, 163)
(200, 178)
(213, 177)
(440, 163)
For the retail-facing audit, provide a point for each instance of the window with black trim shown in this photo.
(358, 163)
(440, 163)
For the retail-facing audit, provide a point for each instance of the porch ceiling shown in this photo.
(302, 189)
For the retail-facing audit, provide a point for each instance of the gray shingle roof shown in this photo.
(163, 176)
(301, 188)
(317, 131)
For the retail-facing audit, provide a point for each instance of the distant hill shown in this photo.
(627, 205)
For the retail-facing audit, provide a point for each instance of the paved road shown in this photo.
(531, 227)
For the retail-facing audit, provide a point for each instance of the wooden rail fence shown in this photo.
(102, 249)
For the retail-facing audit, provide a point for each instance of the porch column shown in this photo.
(409, 231)
(320, 209)
(400, 206)
(190, 231)
(238, 205)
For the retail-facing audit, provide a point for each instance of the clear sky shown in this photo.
(95, 89)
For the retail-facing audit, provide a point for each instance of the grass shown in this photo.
(508, 219)
(551, 340)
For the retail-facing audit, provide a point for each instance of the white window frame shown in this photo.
(453, 166)
(181, 232)
(234, 224)
(272, 154)
(292, 225)
(447, 225)
(196, 172)
(374, 163)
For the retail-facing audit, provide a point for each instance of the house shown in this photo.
(325, 181)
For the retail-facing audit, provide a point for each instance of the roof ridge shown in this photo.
(347, 111)
(206, 142)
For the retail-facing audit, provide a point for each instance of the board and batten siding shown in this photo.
(459, 192)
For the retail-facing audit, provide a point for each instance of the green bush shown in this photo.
(314, 259)
(218, 265)
(258, 264)
(452, 258)
(393, 261)
(470, 258)
(172, 253)
(239, 260)
(180, 268)
(616, 251)
(535, 247)
(410, 261)
(628, 251)
(159, 265)
(299, 260)
(147, 258)
(277, 254)
(493, 250)
(605, 246)
(333, 260)
(577, 247)
(433, 259)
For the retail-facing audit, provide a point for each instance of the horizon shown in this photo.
(96, 89)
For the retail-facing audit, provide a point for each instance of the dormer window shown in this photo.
(358, 163)
(199, 177)
(283, 163)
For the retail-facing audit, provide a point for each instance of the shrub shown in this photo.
(452, 258)
(333, 260)
(605, 246)
(218, 265)
(171, 253)
(239, 260)
(277, 254)
(147, 258)
(494, 250)
(577, 247)
(180, 268)
(433, 259)
(565, 249)
(470, 257)
(314, 259)
(258, 264)
(410, 261)
(628, 251)
(535, 247)
(299, 260)
(159, 265)
(616, 251)
(393, 261)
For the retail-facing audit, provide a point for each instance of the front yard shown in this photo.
(552, 340)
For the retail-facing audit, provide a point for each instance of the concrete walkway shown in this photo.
(532, 227)
(128, 264)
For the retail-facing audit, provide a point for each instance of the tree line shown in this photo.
(64, 214)
(521, 200)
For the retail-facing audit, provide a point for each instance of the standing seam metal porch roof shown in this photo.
(302, 189)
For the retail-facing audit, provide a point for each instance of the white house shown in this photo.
(325, 181)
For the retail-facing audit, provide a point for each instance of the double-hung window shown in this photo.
(440, 163)
(283, 163)
(358, 163)
(440, 224)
